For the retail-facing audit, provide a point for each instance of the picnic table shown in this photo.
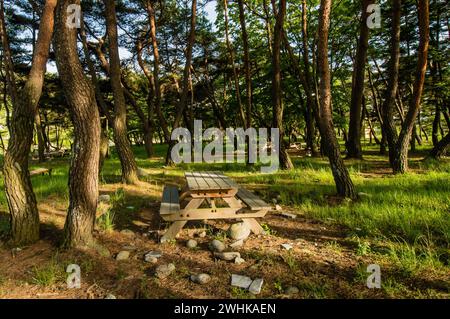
(209, 195)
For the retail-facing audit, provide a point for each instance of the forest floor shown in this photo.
(400, 223)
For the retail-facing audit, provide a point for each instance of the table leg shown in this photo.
(254, 226)
(173, 230)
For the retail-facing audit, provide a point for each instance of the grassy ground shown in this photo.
(400, 223)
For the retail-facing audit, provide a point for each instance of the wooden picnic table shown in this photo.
(210, 195)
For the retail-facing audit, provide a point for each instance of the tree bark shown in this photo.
(392, 84)
(330, 144)
(40, 137)
(19, 191)
(232, 61)
(277, 91)
(400, 156)
(441, 147)
(248, 74)
(157, 83)
(183, 98)
(123, 147)
(80, 97)
(353, 144)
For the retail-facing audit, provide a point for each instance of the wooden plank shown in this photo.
(254, 226)
(170, 201)
(173, 230)
(219, 213)
(252, 200)
(192, 183)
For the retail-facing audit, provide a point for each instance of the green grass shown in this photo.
(402, 220)
(48, 274)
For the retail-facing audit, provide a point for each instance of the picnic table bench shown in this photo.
(209, 195)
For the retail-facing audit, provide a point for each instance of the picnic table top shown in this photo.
(209, 181)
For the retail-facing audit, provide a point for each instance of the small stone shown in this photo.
(256, 285)
(104, 198)
(191, 243)
(287, 246)
(202, 234)
(123, 255)
(164, 271)
(127, 232)
(291, 290)
(239, 231)
(156, 254)
(201, 279)
(241, 281)
(289, 215)
(274, 201)
(279, 197)
(217, 246)
(239, 260)
(227, 255)
(237, 243)
(278, 207)
(150, 259)
(110, 296)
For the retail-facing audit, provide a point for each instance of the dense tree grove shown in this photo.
(132, 71)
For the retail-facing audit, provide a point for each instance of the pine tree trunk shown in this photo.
(400, 158)
(353, 145)
(19, 191)
(40, 137)
(123, 147)
(184, 92)
(248, 75)
(277, 91)
(330, 144)
(441, 147)
(387, 108)
(80, 97)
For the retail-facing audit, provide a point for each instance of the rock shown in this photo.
(142, 172)
(202, 234)
(156, 254)
(127, 232)
(237, 243)
(279, 197)
(256, 285)
(104, 198)
(191, 243)
(123, 255)
(239, 260)
(164, 271)
(201, 279)
(217, 246)
(274, 201)
(151, 259)
(287, 246)
(289, 215)
(278, 207)
(291, 290)
(110, 296)
(227, 255)
(241, 281)
(239, 231)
